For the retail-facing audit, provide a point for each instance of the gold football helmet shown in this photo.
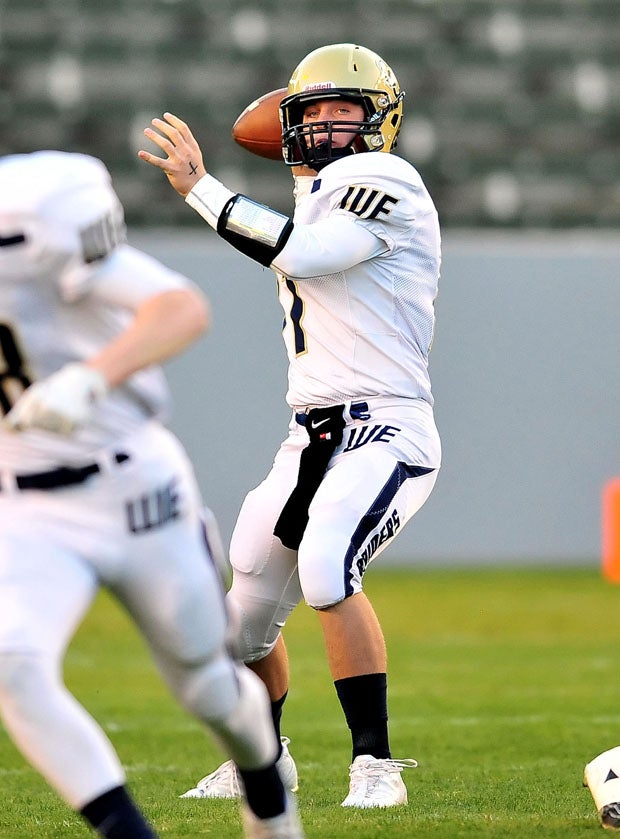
(340, 71)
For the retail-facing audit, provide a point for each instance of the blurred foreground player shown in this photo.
(94, 490)
(602, 777)
(357, 270)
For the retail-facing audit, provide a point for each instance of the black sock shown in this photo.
(364, 702)
(264, 791)
(276, 714)
(116, 816)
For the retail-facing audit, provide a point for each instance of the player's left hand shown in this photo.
(60, 403)
(183, 166)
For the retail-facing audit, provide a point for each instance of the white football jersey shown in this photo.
(68, 284)
(365, 331)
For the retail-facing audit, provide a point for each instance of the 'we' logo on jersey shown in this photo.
(366, 202)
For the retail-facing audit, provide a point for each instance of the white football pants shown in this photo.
(376, 481)
(137, 530)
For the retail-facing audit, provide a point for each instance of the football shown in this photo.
(258, 128)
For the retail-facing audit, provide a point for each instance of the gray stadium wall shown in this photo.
(526, 382)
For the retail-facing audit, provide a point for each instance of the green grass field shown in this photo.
(503, 684)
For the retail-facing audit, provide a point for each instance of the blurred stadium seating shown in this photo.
(512, 108)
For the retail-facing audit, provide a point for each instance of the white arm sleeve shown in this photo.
(209, 197)
(326, 247)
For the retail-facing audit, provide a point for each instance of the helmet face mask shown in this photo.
(345, 72)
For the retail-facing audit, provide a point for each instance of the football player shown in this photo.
(357, 268)
(602, 777)
(94, 490)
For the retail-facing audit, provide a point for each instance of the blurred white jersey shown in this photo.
(365, 331)
(68, 285)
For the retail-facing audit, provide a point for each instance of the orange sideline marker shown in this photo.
(611, 530)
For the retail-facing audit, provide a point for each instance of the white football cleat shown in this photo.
(224, 781)
(602, 777)
(284, 826)
(376, 782)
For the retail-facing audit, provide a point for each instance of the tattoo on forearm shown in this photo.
(192, 169)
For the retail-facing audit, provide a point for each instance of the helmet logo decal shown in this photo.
(319, 86)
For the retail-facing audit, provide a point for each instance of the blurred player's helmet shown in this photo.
(340, 71)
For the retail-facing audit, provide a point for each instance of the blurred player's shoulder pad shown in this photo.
(62, 206)
(46, 183)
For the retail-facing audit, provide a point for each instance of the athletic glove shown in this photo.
(60, 403)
